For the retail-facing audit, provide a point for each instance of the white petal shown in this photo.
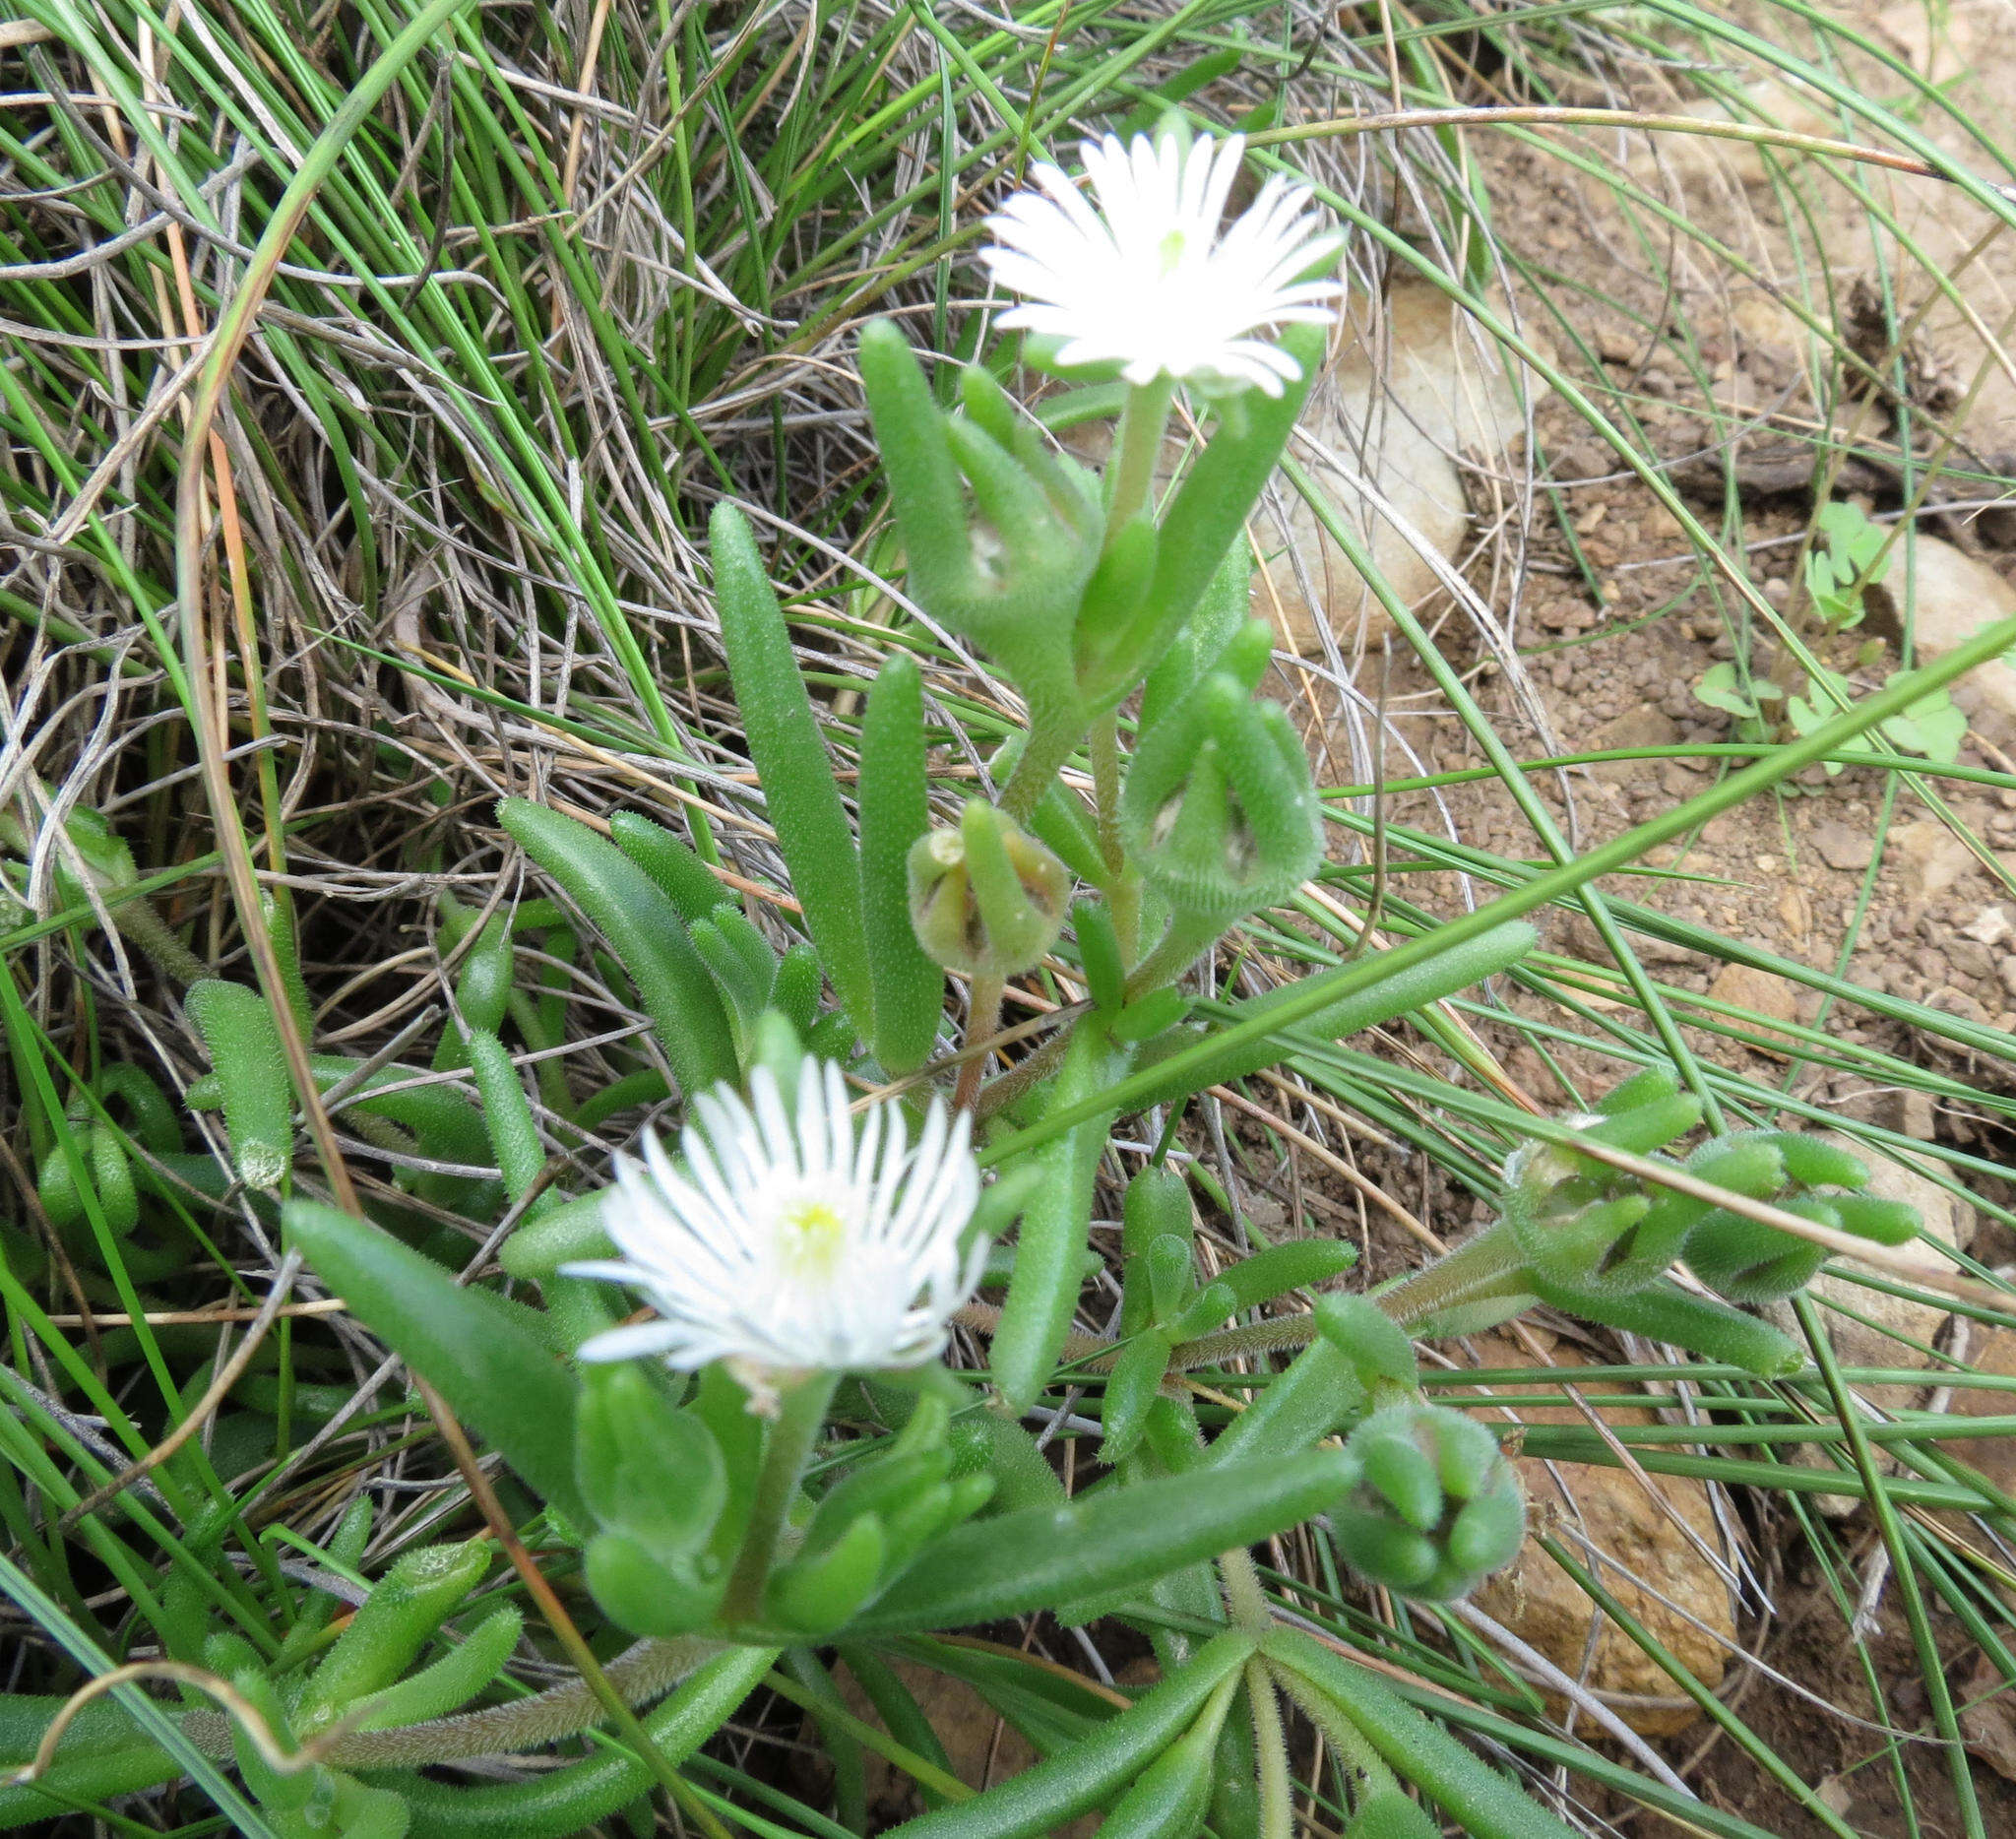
(633, 1342)
(1152, 282)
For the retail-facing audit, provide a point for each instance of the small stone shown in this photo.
(1989, 927)
(1643, 1537)
(1917, 1115)
(1952, 596)
(1932, 858)
(1969, 958)
(1841, 847)
(1645, 727)
(1767, 998)
(1795, 914)
(1401, 399)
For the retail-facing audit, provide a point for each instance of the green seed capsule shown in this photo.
(1751, 1163)
(1436, 1507)
(1645, 1127)
(1486, 1534)
(1752, 1263)
(1384, 1551)
(1875, 1216)
(1812, 1163)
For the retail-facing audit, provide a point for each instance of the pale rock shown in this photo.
(1768, 325)
(1647, 725)
(1407, 390)
(1649, 1556)
(1795, 914)
(1989, 927)
(1399, 401)
(1898, 1321)
(1929, 857)
(1989, 1351)
(1950, 595)
(1917, 1115)
(1841, 846)
(1769, 999)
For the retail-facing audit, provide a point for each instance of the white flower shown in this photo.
(790, 1245)
(1147, 281)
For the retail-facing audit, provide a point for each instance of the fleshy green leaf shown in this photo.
(785, 741)
(1118, 1536)
(1482, 1801)
(482, 1354)
(1091, 1772)
(639, 920)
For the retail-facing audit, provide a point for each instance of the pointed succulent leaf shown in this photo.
(909, 989)
(1008, 1564)
(785, 741)
(487, 1357)
(644, 928)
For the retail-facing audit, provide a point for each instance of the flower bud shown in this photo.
(1219, 811)
(1436, 1507)
(986, 899)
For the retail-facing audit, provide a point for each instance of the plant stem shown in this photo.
(793, 1433)
(1025, 1075)
(1174, 953)
(1053, 732)
(1270, 1747)
(983, 1024)
(1243, 1595)
(1137, 446)
(1486, 1266)
(1123, 896)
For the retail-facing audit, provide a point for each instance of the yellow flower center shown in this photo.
(811, 1234)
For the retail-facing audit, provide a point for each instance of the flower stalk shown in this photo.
(793, 1434)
